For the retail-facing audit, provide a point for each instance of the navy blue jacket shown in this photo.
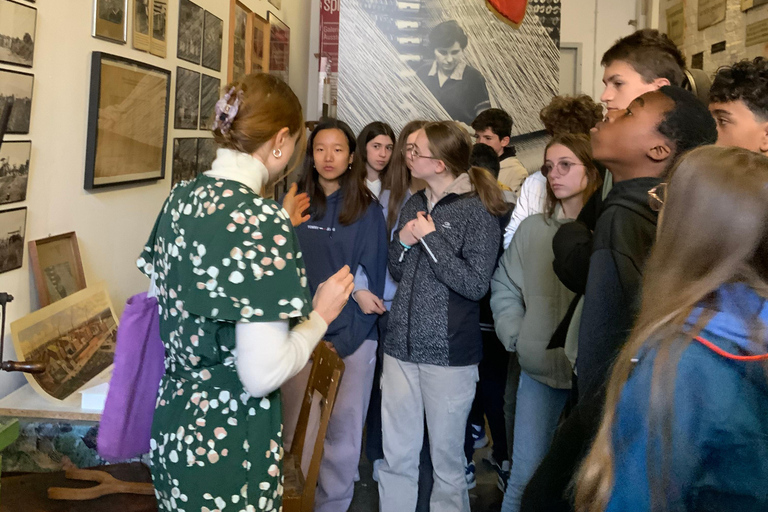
(719, 442)
(327, 245)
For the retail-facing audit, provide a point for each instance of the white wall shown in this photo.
(113, 224)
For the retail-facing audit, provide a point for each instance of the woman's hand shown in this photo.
(333, 294)
(406, 234)
(369, 303)
(424, 225)
(295, 204)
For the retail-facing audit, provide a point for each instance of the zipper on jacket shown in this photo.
(410, 307)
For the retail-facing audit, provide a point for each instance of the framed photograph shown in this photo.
(17, 87)
(13, 225)
(14, 170)
(213, 35)
(210, 88)
(184, 160)
(57, 267)
(190, 31)
(142, 23)
(74, 337)
(237, 41)
(279, 47)
(187, 99)
(17, 33)
(158, 44)
(277, 3)
(110, 20)
(206, 154)
(127, 121)
(259, 44)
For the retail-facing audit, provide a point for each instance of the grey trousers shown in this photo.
(411, 392)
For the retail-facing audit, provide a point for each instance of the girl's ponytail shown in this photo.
(489, 191)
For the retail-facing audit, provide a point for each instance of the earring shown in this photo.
(277, 153)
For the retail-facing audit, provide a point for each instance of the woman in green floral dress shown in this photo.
(231, 283)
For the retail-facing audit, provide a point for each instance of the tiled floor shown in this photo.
(486, 497)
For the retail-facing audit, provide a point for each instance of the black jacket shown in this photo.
(623, 237)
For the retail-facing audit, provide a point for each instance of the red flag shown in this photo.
(511, 11)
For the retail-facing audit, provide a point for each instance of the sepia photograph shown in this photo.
(213, 34)
(110, 21)
(209, 95)
(12, 227)
(158, 44)
(17, 33)
(184, 160)
(127, 121)
(14, 171)
(57, 267)
(279, 47)
(190, 31)
(260, 44)
(17, 88)
(206, 154)
(187, 99)
(237, 45)
(74, 338)
(141, 24)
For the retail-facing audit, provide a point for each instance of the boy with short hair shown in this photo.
(738, 100)
(493, 127)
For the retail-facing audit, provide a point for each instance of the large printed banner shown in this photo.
(329, 54)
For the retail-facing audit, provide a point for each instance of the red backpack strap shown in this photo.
(717, 350)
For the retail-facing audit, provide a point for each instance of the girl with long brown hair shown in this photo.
(442, 255)
(685, 426)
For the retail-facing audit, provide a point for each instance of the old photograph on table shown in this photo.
(127, 121)
(17, 33)
(141, 24)
(57, 267)
(213, 34)
(190, 31)
(14, 171)
(158, 43)
(110, 20)
(74, 338)
(184, 160)
(187, 99)
(206, 154)
(17, 87)
(209, 95)
(12, 228)
(279, 47)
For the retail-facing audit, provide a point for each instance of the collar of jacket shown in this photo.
(633, 195)
(458, 71)
(460, 186)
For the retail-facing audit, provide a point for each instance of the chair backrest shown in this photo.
(324, 378)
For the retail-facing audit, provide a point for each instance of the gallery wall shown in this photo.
(112, 224)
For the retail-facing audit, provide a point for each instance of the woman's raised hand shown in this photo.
(333, 294)
(295, 204)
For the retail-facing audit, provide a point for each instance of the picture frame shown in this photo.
(13, 226)
(74, 338)
(158, 44)
(279, 47)
(238, 41)
(127, 121)
(210, 89)
(213, 37)
(14, 170)
(187, 107)
(57, 267)
(206, 154)
(184, 160)
(17, 38)
(17, 87)
(259, 47)
(190, 41)
(110, 20)
(142, 24)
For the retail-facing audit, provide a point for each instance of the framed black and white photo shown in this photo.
(57, 267)
(206, 154)
(17, 87)
(279, 47)
(209, 95)
(13, 225)
(158, 44)
(110, 20)
(142, 23)
(184, 160)
(238, 36)
(190, 31)
(187, 99)
(127, 121)
(17, 33)
(14, 171)
(213, 34)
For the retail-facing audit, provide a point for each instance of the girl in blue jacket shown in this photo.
(346, 227)
(686, 418)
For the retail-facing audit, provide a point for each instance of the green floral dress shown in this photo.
(220, 255)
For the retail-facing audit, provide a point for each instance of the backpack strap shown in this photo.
(717, 350)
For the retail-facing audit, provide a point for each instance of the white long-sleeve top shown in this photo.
(533, 199)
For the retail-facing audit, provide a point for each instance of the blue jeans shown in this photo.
(537, 412)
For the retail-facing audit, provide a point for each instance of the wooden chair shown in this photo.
(325, 377)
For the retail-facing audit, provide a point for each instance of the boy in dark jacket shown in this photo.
(639, 145)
